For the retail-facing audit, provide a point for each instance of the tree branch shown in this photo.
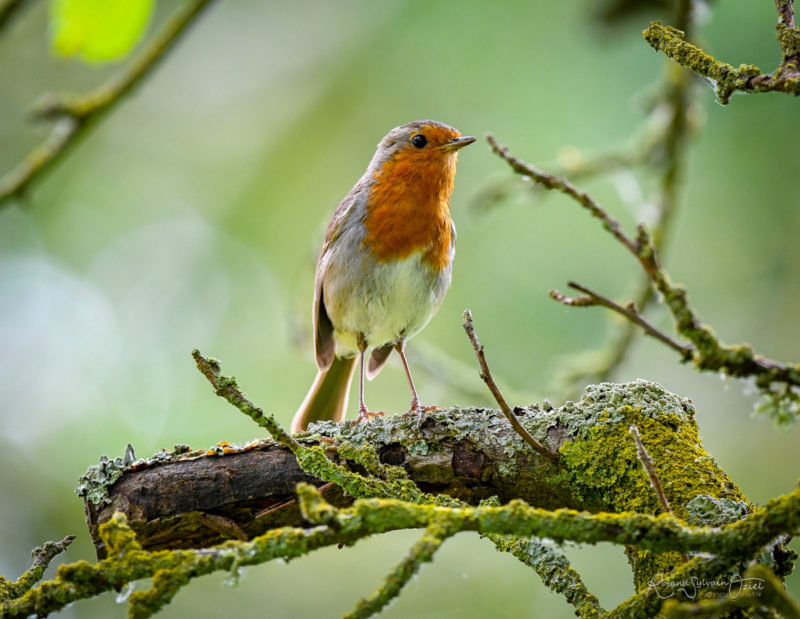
(422, 552)
(227, 388)
(598, 471)
(75, 114)
(42, 557)
(727, 79)
(554, 570)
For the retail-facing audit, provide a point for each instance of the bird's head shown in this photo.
(422, 142)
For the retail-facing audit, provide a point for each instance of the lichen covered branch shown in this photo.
(554, 569)
(388, 500)
(728, 79)
(41, 561)
(226, 387)
(707, 352)
(73, 115)
(173, 569)
(422, 552)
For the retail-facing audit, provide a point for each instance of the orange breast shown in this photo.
(408, 209)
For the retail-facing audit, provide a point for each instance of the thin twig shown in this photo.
(459, 375)
(786, 12)
(649, 468)
(665, 154)
(629, 311)
(42, 557)
(227, 388)
(497, 190)
(486, 375)
(75, 114)
(422, 552)
(561, 184)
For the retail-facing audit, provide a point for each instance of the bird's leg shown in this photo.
(400, 348)
(363, 411)
(416, 407)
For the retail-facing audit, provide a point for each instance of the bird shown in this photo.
(385, 266)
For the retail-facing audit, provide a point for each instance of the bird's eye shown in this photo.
(419, 140)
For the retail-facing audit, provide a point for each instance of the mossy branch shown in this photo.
(42, 557)
(583, 432)
(227, 388)
(74, 115)
(421, 552)
(728, 79)
(776, 380)
(387, 481)
(554, 569)
(173, 569)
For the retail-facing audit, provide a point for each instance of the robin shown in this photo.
(385, 265)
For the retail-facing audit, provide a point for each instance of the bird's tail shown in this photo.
(327, 398)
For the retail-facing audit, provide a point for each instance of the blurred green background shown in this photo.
(193, 215)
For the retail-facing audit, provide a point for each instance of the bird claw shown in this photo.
(365, 415)
(418, 410)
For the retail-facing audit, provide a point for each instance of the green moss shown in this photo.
(118, 537)
(789, 38)
(313, 460)
(603, 468)
(725, 77)
(366, 454)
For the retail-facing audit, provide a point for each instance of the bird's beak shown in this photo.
(457, 143)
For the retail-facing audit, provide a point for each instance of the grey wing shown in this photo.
(324, 344)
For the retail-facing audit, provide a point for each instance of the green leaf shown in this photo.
(97, 30)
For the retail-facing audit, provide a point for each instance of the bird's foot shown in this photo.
(366, 415)
(418, 410)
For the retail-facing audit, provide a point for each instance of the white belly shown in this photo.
(383, 301)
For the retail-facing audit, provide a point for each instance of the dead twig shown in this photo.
(629, 311)
(486, 375)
